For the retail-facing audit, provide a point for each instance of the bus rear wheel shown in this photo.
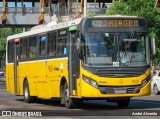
(26, 93)
(68, 101)
(123, 102)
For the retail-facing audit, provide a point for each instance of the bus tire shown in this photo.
(123, 102)
(26, 93)
(69, 102)
(80, 100)
(62, 94)
(155, 88)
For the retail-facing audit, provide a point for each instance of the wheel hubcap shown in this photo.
(67, 95)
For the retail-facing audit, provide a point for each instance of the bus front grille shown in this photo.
(119, 73)
(120, 90)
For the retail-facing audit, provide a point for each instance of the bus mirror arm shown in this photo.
(152, 45)
(78, 47)
(78, 44)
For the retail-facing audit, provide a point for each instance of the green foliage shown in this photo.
(142, 8)
(91, 15)
(4, 33)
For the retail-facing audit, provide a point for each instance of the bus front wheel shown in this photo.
(69, 102)
(26, 93)
(123, 102)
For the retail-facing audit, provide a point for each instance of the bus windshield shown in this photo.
(114, 49)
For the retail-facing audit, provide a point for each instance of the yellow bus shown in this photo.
(102, 57)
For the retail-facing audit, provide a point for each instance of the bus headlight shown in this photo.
(146, 80)
(90, 81)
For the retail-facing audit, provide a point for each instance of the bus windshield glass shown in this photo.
(114, 49)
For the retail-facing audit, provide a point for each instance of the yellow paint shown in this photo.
(44, 79)
(90, 91)
(74, 92)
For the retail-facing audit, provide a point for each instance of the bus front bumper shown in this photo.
(88, 91)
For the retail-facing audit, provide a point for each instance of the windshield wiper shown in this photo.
(107, 39)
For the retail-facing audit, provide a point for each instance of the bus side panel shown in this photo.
(43, 83)
(53, 77)
(56, 69)
(29, 70)
(10, 78)
(44, 77)
(24, 73)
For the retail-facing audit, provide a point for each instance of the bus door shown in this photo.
(16, 68)
(73, 63)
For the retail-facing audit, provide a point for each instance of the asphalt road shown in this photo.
(139, 106)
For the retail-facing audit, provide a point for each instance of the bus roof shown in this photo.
(44, 28)
(53, 25)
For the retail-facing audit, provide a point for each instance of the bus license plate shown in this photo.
(120, 91)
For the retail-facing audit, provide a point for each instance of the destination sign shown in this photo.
(115, 23)
(127, 23)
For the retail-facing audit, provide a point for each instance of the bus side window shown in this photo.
(61, 46)
(32, 47)
(51, 47)
(42, 44)
(10, 51)
(23, 48)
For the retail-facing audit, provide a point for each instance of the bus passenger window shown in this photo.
(23, 48)
(61, 46)
(42, 46)
(32, 47)
(10, 51)
(51, 49)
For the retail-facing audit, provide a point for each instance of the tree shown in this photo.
(4, 33)
(142, 8)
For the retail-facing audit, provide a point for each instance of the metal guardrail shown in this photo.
(97, 10)
(26, 10)
(90, 9)
(54, 10)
